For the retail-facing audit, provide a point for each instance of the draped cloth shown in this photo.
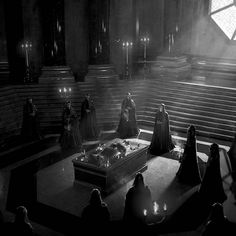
(127, 126)
(161, 138)
(88, 121)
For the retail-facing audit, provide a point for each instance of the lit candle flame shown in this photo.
(145, 212)
(59, 90)
(155, 208)
(165, 207)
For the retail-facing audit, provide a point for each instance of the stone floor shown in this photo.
(56, 186)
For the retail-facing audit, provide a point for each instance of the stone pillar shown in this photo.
(53, 28)
(171, 25)
(53, 32)
(4, 67)
(33, 33)
(14, 36)
(99, 42)
(99, 39)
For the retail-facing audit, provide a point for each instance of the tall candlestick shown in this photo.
(144, 41)
(26, 46)
(127, 45)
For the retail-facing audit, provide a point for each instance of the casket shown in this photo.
(112, 165)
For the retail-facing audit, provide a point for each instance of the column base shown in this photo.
(4, 73)
(105, 71)
(56, 74)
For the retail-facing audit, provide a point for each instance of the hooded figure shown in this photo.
(189, 170)
(161, 138)
(211, 189)
(128, 127)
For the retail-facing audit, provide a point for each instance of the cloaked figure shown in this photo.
(96, 216)
(88, 120)
(138, 203)
(211, 189)
(70, 135)
(30, 126)
(21, 224)
(217, 223)
(161, 138)
(232, 157)
(127, 126)
(189, 172)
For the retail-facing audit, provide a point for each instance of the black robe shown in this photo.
(88, 121)
(161, 138)
(70, 135)
(30, 126)
(232, 157)
(211, 189)
(189, 172)
(128, 127)
(137, 199)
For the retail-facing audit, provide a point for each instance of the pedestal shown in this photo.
(105, 71)
(4, 73)
(56, 74)
(170, 64)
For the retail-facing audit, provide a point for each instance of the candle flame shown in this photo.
(145, 212)
(165, 207)
(155, 207)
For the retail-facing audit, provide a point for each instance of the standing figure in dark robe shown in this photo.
(70, 135)
(138, 203)
(30, 126)
(217, 223)
(88, 120)
(96, 216)
(128, 127)
(232, 157)
(189, 172)
(211, 189)
(161, 138)
(21, 224)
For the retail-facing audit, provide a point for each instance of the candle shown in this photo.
(145, 212)
(165, 207)
(155, 208)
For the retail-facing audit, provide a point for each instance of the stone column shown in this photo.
(14, 36)
(4, 67)
(53, 28)
(99, 39)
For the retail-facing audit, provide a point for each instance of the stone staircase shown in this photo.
(211, 109)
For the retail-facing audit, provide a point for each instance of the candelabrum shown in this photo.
(171, 42)
(26, 47)
(65, 92)
(144, 42)
(127, 47)
(157, 215)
